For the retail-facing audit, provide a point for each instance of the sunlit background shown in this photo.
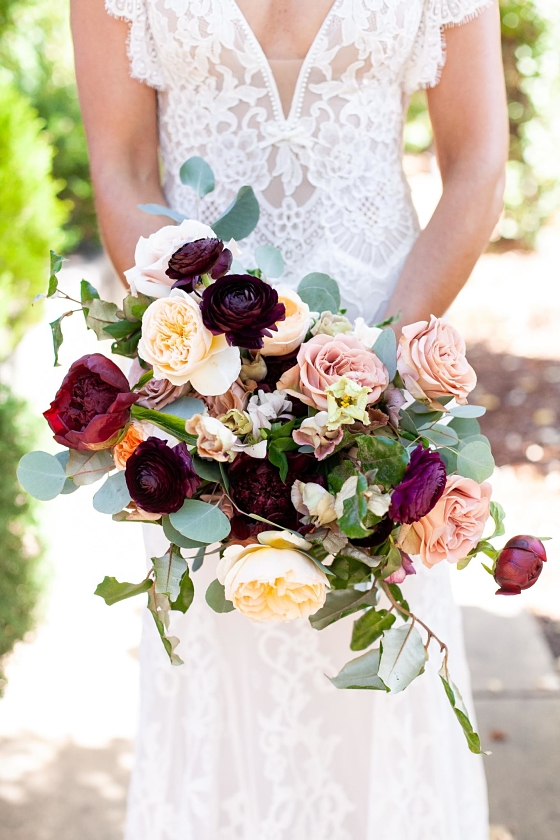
(68, 664)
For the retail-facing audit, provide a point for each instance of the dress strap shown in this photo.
(144, 62)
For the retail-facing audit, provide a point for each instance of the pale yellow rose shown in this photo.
(292, 331)
(432, 362)
(265, 583)
(137, 432)
(213, 439)
(180, 348)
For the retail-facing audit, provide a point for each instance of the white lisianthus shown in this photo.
(313, 501)
(213, 439)
(367, 335)
(180, 348)
(273, 581)
(152, 255)
(378, 502)
(290, 332)
(265, 408)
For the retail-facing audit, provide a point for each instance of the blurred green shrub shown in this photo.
(31, 214)
(19, 547)
(530, 46)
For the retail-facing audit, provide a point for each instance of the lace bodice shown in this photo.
(328, 174)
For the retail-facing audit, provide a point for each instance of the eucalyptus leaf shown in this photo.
(465, 427)
(385, 348)
(113, 495)
(185, 407)
(216, 598)
(112, 591)
(385, 455)
(342, 602)
(362, 672)
(42, 475)
(169, 571)
(201, 522)
(174, 426)
(176, 538)
(88, 467)
(69, 488)
(160, 210)
(467, 411)
(441, 435)
(475, 461)
(454, 697)
(370, 627)
(207, 468)
(320, 292)
(270, 261)
(241, 217)
(186, 594)
(199, 559)
(402, 657)
(197, 173)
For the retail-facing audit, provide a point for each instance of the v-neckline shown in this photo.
(301, 80)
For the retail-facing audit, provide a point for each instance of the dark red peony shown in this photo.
(159, 478)
(242, 307)
(519, 565)
(203, 256)
(421, 488)
(256, 487)
(92, 406)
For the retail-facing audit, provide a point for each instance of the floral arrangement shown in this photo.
(324, 459)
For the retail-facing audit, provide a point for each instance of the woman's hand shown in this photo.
(469, 118)
(120, 119)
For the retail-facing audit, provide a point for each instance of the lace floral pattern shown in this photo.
(248, 740)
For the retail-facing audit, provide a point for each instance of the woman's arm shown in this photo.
(469, 118)
(120, 119)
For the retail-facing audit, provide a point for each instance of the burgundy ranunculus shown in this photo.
(421, 488)
(203, 256)
(519, 565)
(159, 478)
(92, 406)
(256, 487)
(243, 307)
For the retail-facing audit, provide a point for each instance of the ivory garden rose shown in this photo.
(323, 360)
(432, 362)
(180, 348)
(290, 332)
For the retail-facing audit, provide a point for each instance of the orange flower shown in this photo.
(136, 433)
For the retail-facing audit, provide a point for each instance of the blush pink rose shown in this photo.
(432, 363)
(454, 525)
(324, 359)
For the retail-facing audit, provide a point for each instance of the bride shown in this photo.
(305, 101)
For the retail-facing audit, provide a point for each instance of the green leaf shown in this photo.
(340, 474)
(394, 562)
(241, 217)
(134, 307)
(201, 521)
(465, 427)
(454, 697)
(167, 422)
(385, 455)
(88, 292)
(207, 468)
(277, 457)
(121, 329)
(185, 407)
(396, 592)
(113, 495)
(112, 591)
(449, 458)
(441, 435)
(127, 346)
(199, 558)
(342, 602)
(498, 514)
(361, 672)
(354, 512)
(88, 467)
(196, 173)
(369, 627)
(100, 314)
(402, 657)
(216, 598)
(159, 607)
(169, 571)
(42, 475)
(56, 262)
(475, 461)
(57, 337)
(144, 379)
(467, 411)
(385, 348)
(270, 261)
(176, 538)
(320, 292)
(186, 594)
(160, 210)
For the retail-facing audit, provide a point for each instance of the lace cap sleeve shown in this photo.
(144, 63)
(428, 55)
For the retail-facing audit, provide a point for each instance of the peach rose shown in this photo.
(292, 331)
(432, 363)
(136, 433)
(454, 525)
(323, 360)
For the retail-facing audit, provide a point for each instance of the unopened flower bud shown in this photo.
(519, 565)
(255, 369)
(237, 421)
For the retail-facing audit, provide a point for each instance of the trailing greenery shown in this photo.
(19, 548)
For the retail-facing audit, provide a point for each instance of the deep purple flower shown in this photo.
(92, 406)
(421, 488)
(203, 256)
(243, 307)
(519, 565)
(159, 477)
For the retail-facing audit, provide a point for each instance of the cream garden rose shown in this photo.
(432, 362)
(153, 253)
(291, 332)
(274, 580)
(180, 348)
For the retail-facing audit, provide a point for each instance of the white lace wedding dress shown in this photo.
(249, 740)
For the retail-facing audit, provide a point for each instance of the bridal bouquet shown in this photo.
(313, 460)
